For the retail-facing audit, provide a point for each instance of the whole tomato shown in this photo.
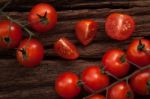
(119, 26)
(94, 79)
(10, 34)
(86, 30)
(115, 62)
(66, 85)
(97, 97)
(138, 52)
(140, 82)
(42, 17)
(120, 91)
(30, 52)
(66, 49)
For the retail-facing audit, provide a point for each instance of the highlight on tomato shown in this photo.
(42, 17)
(66, 49)
(30, 52)
(86, 30)
(119, 26)
(138, 52)
(10, 34)
(66, 85)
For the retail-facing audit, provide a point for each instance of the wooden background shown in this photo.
(17, 82)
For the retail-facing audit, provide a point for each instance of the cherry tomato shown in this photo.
(42, 17)
(115, 62)
(120, 91)
(10, 34)
(140, 82)
(138, 52)
(66, 49)
(66, 85)
(96, 97)
(86, 31)
(119, 26)
(30, 52)
(94, 79)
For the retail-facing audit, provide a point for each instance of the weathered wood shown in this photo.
(17, 82)
(24, 5)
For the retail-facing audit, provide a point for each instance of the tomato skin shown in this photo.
(86, 31)
(66, 85)
(12, 31)
(113, 63)
(34, 51)
(119, 26)
(41, 9)
(140, 58)
(139, 82)
(97, 97)
(93, 79)
(66, 49)
(120, 91)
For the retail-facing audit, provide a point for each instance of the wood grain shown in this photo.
(17, 82)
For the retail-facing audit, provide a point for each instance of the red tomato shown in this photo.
(42, 17)
(119, 26)
(10, 34)
(66, 85)
(115, 62)
(86, 31)
(120, 91)
(66, 49)
(94, 79)
(96, 97)
(140, 82)
(138, 52)
(30, 52)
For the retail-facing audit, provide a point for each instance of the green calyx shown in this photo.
(7, 40)
(129, 94)
(140, 46)
(43, 19)
(123, 58)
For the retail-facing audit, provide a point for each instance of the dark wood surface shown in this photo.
(17, 82)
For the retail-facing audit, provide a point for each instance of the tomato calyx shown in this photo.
(129, 94)
(141, 46)
(43, 19)
(24, 53)
(123, 58)
(7, 40)
(148, 86)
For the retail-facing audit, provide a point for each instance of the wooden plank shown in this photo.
(76, 4)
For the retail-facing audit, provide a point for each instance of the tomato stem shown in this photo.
(123, 58)
(127, 77)
(43, 19)
(140, 46)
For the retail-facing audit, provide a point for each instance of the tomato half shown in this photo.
(94, 79)
(66, 49)
(119, 26)
(86, 30)
(140, 82)
(30, 52)
(120, 91)
(66, 85)
(115, 62)
(10, 34)
(42, 17)
(138, 52)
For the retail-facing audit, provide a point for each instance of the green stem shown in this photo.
(127, 77)
(26, 29)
